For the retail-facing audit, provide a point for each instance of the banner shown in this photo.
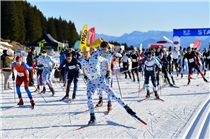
(197, 44)
(140, 47)
(91, 35)
(84, 36)
(191, 32)
(77, 44)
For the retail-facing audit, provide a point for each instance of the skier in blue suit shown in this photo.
(72, 67)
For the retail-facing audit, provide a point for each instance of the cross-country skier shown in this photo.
(22, 76)
(134, 58)
(164, 63)
(149, 70)
(192, 57)
(46, 74)
(72, 67)
(91, 70)
(206, 59)
(126, 63)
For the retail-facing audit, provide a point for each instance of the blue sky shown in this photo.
(118, 17)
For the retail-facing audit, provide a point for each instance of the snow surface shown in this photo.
(184, 114)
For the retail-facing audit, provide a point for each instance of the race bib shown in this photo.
(72, 67)
(191, 60)
(20, 74)
(149, 68)
(133, 60)
(208, 57)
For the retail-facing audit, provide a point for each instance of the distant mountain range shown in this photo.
(137, 37)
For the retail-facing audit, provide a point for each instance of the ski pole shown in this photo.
(139, 85)
(14, 91)
(2, 80)
(119, 86)
(41, 94)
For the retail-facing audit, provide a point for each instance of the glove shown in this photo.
(13, 76)
(107, 76)
(85, 77)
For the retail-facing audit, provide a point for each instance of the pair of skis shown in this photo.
(135, 116)
(146, 98)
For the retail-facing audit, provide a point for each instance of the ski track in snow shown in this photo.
(177, 117)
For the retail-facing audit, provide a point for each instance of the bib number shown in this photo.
(149, 68)
(191, 60)
(133, 60)
(20, 74)
(72, 67)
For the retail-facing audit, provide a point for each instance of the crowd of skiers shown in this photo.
(98, 67)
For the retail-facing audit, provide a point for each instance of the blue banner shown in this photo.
(192, 32)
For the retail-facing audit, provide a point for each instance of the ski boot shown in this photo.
(204, 73)
(100, 102)
(20, 101)
(44, 90)
(205, 79)
(174, 82)
(188, 82)
(73, 96)
(181, 75)
(171, 84)
(109, 106)
(129, 110)
(32, 103)
(148, 94)
(52, 90)
(156, 95)
(92, 120)
(134, 80)
(67, 93)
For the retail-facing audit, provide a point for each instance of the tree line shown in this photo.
(24, 23)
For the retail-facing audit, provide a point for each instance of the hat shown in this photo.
(161, 53)
(18, 59)
(85, 49)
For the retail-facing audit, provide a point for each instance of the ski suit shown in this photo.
(95, 79)
(149, 70)
(206, 56)
(71, 72)
(191, 63)
(135, 65)
(109, 81)
(22, 76)
(46, 74)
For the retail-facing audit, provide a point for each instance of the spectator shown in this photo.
(6, 65)
(30, 61)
